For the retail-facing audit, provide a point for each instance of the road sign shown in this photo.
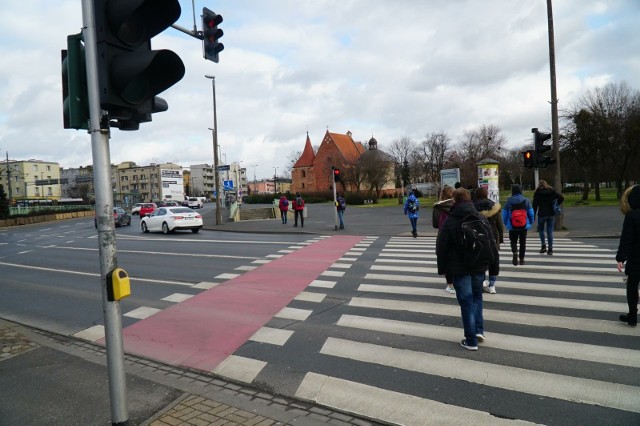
(228, 185)
(224, 168)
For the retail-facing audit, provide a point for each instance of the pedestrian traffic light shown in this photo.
(529, 159)
(130, 74)
(211, 34)
(336, 174)
(541, 160)
(75, 96)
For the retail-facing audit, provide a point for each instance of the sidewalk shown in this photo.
(57, 380)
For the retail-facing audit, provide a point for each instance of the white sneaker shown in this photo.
(480, 338)
(492, 289)
(450, 290)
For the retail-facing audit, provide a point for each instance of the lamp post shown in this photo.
(255, 182)
(275, 179)
(215, 150)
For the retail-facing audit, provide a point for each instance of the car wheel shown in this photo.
(143, 226)
(129, 222)
(195, 230)
(165, 228)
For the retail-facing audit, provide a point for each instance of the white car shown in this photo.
(168, 219)
(136, 209)
(194, 203)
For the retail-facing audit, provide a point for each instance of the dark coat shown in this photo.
(447, 251)
(440, 212)
(492, 211)
(543, 201)
(629, 247)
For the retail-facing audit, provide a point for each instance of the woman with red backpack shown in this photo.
(518, 216)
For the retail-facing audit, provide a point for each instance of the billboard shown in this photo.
(172, 185)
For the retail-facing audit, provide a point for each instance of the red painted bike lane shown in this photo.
(205, 329)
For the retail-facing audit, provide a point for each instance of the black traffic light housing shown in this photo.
(130, 74)
(211, 35)
(529, 159)
(336, 174)
(541, 160)
(75, 96)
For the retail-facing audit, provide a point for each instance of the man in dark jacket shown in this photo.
(467, 280)
(543, 199)
(628, 256)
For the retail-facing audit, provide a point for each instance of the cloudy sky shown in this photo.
(389, 69)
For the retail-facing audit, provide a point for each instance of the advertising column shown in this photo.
(488, 178)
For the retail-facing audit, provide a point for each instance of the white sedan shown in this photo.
(168, 219)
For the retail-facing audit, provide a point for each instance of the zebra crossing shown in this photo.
(382, 341)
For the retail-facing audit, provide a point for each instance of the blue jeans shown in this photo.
(414, 224)
(547, 222)
(469, 295)
(340, 214)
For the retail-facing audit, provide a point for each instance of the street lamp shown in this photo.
(275, 179)
(214, 132)
(255, 182)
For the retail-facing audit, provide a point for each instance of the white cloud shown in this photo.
(388, 69)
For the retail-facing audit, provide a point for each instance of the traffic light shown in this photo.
(541, 160)
(336, 174)
(130, 74)
(211, 34)
(75, 96)
(529, 159)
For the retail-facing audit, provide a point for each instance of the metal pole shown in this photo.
(215, 151)
(335, 200)
(9, 181)
(106, 226)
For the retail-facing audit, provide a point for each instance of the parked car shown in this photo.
(147, 208)
(120, 217)
(169, 219)
(167, 203)
(136, 208)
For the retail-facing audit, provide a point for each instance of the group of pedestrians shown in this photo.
(298, 209)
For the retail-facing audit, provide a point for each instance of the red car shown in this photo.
(147, 208)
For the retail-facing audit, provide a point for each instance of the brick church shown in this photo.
(312, 172)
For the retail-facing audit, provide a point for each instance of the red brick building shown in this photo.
(312, 172)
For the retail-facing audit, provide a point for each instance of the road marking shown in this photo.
(227, 276)
(333, 273)
(557, 348)
(389, 406)
(224, 256)
(508, 317)
(142, 312)
(240, 368)
(307, 296)
(550, 302)
(91, 334)
(323, 283)
(177, 297)
(245, 268)
(294, 314)
(603, 260)
(574, 389)
(512, 274)
(205, 285)
(272, 336)
(341, 265)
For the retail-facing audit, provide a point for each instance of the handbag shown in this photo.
(557, 210)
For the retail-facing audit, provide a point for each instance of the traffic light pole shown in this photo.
(215, 151)
(99, 130)
(335, 207)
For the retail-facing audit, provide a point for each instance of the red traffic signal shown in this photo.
(336, 174)
(211, 34)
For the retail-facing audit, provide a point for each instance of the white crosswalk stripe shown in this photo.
(553, 341)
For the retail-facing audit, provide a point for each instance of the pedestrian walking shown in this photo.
(517, 215)
(412, 211)
(440, 212)
(341, 206)
(466, 249)
(544, 199)
(493, 212)
(298, 210)
(283, 205)
(628, 256)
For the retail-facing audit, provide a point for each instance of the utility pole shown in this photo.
(215, 151)
(554, 110)
(99, 131)
(9, 181)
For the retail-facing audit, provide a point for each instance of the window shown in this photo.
(304, 173)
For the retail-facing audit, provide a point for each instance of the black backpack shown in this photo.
(412, 206)
(476, 238)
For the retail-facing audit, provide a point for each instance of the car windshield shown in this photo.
(181, 210)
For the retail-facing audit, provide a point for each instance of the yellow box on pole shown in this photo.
(118, 285)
